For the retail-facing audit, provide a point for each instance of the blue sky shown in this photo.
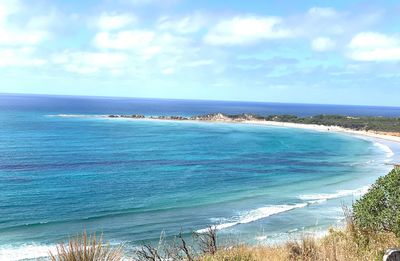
(334, 52)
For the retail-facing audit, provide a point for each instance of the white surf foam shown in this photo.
(23, 252)
(254, 215)
(261, 238)
(317, 201)
(67, 115)
(314, 198)
(76, 116)
(385, 148)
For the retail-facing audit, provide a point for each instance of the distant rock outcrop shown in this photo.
(220, 117)
(224, 117)
(173, 118)
(211, 117)
(133, 116)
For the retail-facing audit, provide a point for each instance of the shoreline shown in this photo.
(250, 119)
(370, 134)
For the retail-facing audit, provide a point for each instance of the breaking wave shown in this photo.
(317, 198)
(76, 116)
(24, 252)
(385, 148)
(256, 214)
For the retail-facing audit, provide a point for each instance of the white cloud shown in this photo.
(373, 40)
(168, 71)
(372, 46)
(187, 24)
(20, 35)
(322, 12)
(144, 44)
(124, 39)
(172, 42)
(147, 2)
(13, 34)
(199, 63)
(19, 57)
(327, 21)
(8, 8)
(140, 2)
(44, 22)
(114, 21)
(244, 30)
(90, 62)
(17, 37)
(322, 44)
(319, 21)
(150, 52)
(81, 69)
(168, 52)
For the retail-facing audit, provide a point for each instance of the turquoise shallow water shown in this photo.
(132, 179)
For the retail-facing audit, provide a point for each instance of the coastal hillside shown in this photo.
(372, 227)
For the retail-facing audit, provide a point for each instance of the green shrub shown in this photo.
(379, 209)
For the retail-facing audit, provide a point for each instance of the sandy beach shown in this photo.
(370, 134)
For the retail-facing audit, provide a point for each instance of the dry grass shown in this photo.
(246, 253)
(349, 243)
(339, 245)
(86, 248)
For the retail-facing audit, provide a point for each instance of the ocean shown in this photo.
(61, 173)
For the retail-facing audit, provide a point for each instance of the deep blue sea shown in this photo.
(61, 174)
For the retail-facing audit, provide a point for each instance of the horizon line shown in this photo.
(192, 99)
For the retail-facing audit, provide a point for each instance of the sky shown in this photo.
(325, 52)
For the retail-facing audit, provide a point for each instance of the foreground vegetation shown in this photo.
(371, 228)
(86, 248)
(340, 244)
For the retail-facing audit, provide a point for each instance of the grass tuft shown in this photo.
(86, 248)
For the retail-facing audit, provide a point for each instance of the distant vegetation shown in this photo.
(356, 123)
(370, 230)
